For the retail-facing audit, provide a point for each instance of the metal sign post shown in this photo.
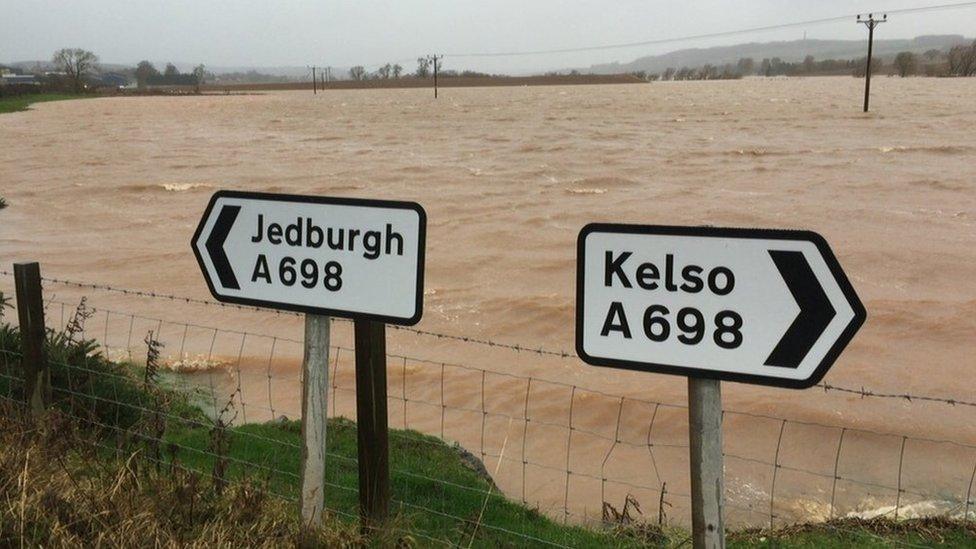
(768, 307)
(705, 452)
(351, 258)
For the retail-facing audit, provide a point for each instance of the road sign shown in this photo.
(769, 307)
(344, 257)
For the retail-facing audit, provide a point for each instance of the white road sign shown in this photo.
(757, 306)
(333, 256)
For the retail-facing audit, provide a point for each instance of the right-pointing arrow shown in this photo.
(816, 312)
(215, 246)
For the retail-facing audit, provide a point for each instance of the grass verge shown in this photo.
(22, 102)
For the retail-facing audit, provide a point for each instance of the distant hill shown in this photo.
(791, 51)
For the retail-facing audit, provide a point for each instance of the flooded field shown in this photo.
(110, 191)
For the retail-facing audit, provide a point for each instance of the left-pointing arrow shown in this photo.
(215, 246)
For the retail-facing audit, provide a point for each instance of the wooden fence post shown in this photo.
(315, 399)
(30, 312)
(371, 423)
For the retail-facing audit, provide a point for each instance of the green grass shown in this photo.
(435, 493)
(21, 102)
(862, 533)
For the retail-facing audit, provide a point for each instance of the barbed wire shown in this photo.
(520, 348)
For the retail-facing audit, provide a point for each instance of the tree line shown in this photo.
(424, 70)
(146, 74)
(960, 60)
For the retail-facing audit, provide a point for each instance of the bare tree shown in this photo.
(746, 65)
(199, 72)
(384, 71)
(76, 63)
(358, 72)
(144, 71)
(932, 54)
(423, 67)
(171, 70)
(397, 70)
(905, 63)
(809, 63)
(962, 60)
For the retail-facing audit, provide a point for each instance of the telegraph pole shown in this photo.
(313, 81)
(434, 59)
(870, 23)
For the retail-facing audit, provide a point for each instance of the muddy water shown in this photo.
(110, 190)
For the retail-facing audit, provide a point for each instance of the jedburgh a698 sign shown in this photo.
(770, 307)
(344, 257)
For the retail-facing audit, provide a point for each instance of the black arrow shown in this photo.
(215, 246)
(816, 312)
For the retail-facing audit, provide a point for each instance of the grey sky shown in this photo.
(368, 32)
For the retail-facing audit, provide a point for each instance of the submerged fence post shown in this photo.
(30, 312)
(315, 400)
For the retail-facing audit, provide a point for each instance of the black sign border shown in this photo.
(860, 314)
(335, 201)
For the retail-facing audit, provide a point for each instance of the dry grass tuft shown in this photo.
(57, 490)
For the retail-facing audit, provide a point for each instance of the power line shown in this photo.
(719, 34)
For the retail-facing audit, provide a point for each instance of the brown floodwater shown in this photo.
(110, 190)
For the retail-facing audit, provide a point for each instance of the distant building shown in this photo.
(22, 79)
(111, 80)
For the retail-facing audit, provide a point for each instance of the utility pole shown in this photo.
(434, 59)
(870, 23)
(314, 81)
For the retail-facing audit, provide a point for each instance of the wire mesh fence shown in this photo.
(572, 453)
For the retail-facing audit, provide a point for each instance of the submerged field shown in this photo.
(109, 191)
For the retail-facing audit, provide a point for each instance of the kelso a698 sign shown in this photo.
(759, 306)
(341, 257)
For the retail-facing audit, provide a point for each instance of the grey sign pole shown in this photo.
(705, 444)
(315, 398)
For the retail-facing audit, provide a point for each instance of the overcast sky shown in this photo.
(368, 32)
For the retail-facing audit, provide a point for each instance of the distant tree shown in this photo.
(809, 64)
(397, 70)
(384, 71)
(171, 70)
(962, 60)
(668, 73)
(76, 63)
(905, 63)
(199, 72)
(357, 72)
(766, 67)
(144, 71)
(746, 65)
(933, 54)
(877, 66)
(423, 67)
